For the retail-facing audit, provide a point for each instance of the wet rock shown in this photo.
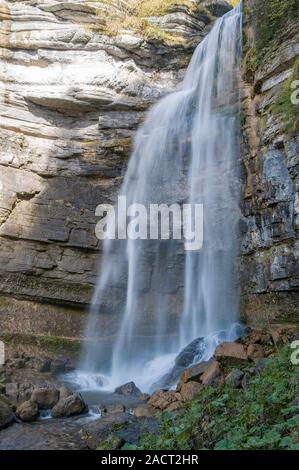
(234, 378)
(27, 411)
(212, 375)
(230, 353)
(113, 409)
(190, 390)
(193, 373)
(190, 352)
(6, 414)
(45, 397)
(128, 389)
(70, 406)
(58, 366)
(162, 399)
(255, 352)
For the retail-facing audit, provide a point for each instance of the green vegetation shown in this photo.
(270, 18)
(265, 415)
(134, 17)
(54, 344)
(284, 106)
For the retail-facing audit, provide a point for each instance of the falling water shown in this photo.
(157, 296)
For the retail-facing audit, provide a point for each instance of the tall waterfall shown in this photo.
(164, 297)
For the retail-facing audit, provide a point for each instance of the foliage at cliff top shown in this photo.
(133, 16)
(264, 415)
(271, 17)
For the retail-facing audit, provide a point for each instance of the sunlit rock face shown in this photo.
(73, 89)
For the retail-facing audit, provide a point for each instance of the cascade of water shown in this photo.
(187, 150)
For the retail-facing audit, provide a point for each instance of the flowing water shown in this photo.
(187, 150)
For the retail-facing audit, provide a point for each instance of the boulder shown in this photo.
(12, 392)
(143, 410)
(45, 397)
(231, 353)
(27, 411)
(193, 373)
(190, 390)
(186, 357)
(6, 414)
(70, 406)
(234, 378)
(212, 375)
(176, 405)
(64, 392)
(128, 389)
(162, 399)
(255, 352)
(112, 409)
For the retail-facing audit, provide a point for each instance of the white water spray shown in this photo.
(187, 150)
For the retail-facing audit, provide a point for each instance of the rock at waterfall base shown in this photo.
(45, 397)
(6, 414)
(212, 375)
(128, 389)
(190, 390)
(193, 373)
(70, 406)
(230, 353)
(27, 411)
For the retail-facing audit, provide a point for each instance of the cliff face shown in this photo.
(270, 157)
(76, 80)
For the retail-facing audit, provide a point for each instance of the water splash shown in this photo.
(187, 150)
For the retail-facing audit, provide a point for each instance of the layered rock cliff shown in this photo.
(270, 158)
(76, 80)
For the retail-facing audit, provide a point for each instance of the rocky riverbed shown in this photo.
(39, 411)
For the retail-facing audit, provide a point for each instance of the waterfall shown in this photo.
(157, 296)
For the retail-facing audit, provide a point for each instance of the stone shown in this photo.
(6, 415)
(255, 352)
(190, 390)
(193, 373)
(212, 374)
(128, 389)
(64, 392)
(175, 406)
(27, 411)
(190, 352)
(144, 410)
(112, 409)
(70, 406)
(45, 397)
(58, 366)
(162, 399)
(230, 353)
(234, 378)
